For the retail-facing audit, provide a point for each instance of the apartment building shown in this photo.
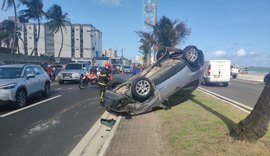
(80, 41)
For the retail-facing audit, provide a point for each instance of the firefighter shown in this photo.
(104, 78)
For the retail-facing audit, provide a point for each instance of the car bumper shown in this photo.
(69, 79)
(7, 94)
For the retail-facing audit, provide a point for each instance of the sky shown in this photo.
(238, 30)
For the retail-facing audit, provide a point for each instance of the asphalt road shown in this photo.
(53, 127)
(243, 91)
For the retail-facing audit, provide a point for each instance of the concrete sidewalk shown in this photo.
(139, 136)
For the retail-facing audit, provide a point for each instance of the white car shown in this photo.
(177, 72)
(73, 72)
(20, 81)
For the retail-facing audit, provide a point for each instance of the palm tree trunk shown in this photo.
(36, 40)
(62, 40)
(15, 28)
(255, 125)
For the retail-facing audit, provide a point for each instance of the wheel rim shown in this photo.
(142, 87)
(192, 55)
(21, 99)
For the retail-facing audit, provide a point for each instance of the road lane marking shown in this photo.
(24, 108)
(230, 101)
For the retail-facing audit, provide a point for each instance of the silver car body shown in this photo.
(73, 72)
(10, 86)
(167, 76)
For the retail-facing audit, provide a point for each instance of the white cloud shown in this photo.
(241, 53)
(219, 53)
(111, 2)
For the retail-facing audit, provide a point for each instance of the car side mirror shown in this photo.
(30, 76)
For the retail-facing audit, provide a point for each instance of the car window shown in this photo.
(28, 70)
(10, 73)
(38, 70)
(74, 66)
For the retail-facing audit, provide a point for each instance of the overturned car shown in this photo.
(175, 73)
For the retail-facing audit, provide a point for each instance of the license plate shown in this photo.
(216, 76)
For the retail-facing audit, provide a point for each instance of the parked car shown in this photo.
(73, 72)
(266, 78)
(18, 82)
(176, 72)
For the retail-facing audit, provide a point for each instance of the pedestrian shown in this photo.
(49, 71)
(103, 79)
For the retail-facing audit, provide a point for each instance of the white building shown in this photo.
(79, 41)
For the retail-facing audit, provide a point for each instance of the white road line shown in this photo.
(24, 108)
(230, 101)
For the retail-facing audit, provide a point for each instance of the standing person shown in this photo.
(103, 79)
(49, 71)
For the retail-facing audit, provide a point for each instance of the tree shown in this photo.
(57, 21)
(6, 5)
(147, 42)
(255, 125)
(166, 33)
(33, 12)
(6, 32)
(169, 33)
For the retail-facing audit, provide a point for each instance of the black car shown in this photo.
(266, 78)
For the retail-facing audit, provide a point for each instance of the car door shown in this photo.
(40, 78)
(30, 83)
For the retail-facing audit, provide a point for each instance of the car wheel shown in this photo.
(47, 90)
(61, 82)
(190, 53)
(234, 76)
(21, 98)
(142, 88)
(114, 83)
(225, 84)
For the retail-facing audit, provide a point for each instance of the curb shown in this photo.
(230, 101)
(97, 139)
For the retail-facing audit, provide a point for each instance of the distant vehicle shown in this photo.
(234, 70)
(266, 78)
(73, 72)
(176, 73)
(19, 81)
(217, 72)
(127, 69)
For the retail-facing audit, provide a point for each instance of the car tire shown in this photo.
(114, 83)
(191, 54)
(61, 82)
(21, 98)
(142, 88)
(225, 84)
(47, 90)
(234, 76)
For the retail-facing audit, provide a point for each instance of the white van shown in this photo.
(217, 72)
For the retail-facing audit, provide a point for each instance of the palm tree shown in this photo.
(6, 32)
(33, 12)
(169, 33)
(57, 21)
(255, 125)
(147, 42)
(6, 5)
